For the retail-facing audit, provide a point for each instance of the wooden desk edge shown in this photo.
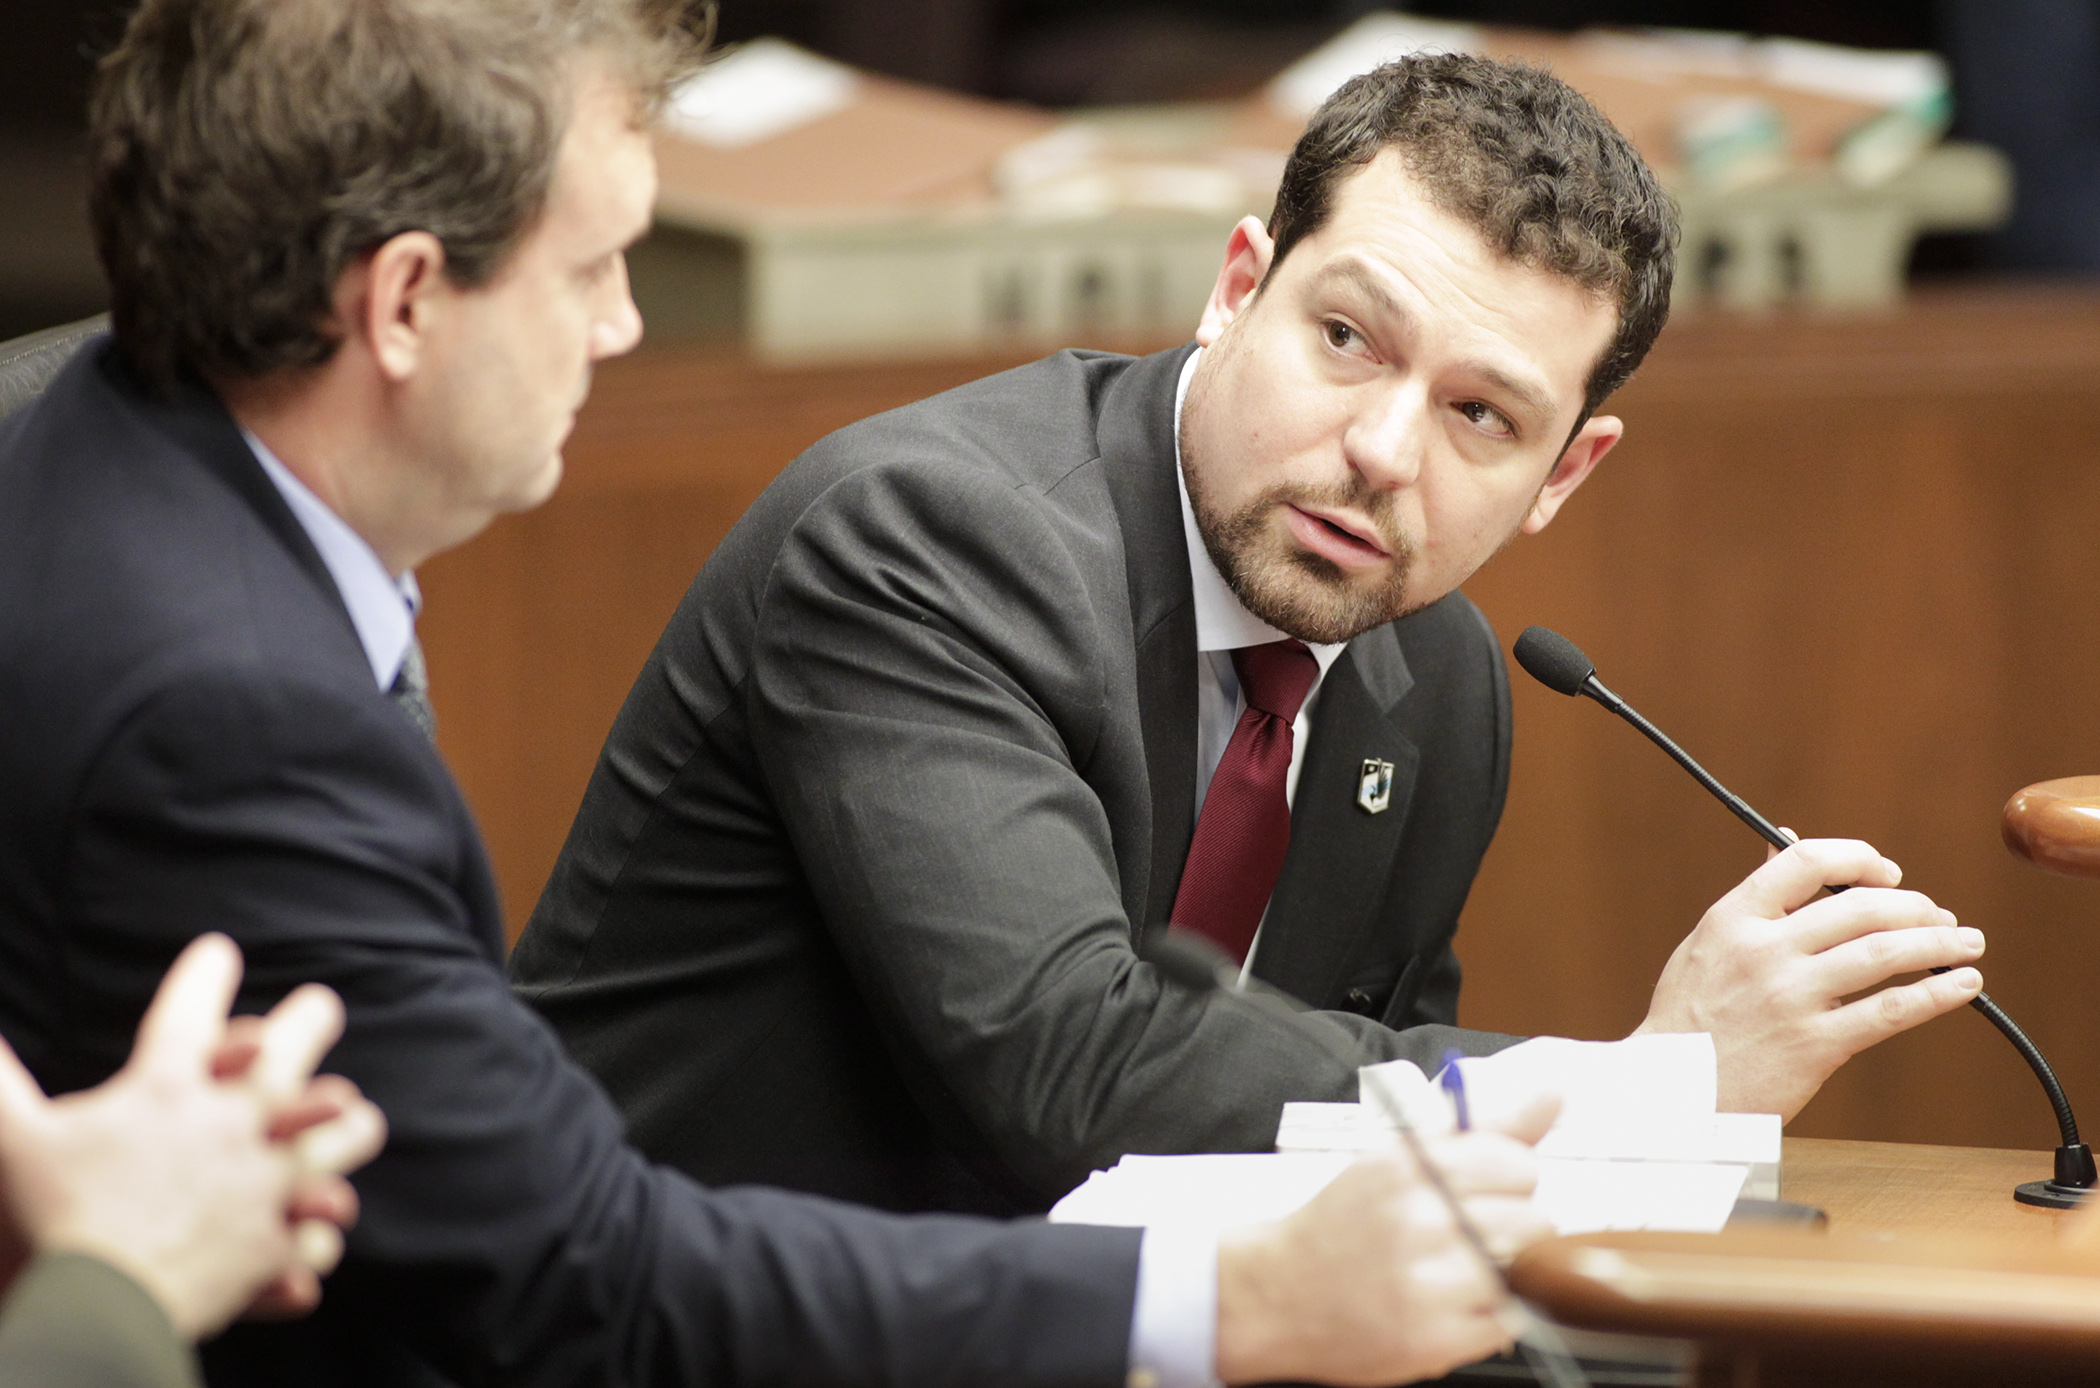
(1919, 1299)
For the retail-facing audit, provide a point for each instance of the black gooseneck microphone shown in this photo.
(1556, 662)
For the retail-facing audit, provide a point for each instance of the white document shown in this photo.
(757, 90)
(1638, 1144)
(1221, 1190)
(1598, 1081)
(1586, 1196)
(1215, 1190)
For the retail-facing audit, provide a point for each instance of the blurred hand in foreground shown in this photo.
(210, 1169)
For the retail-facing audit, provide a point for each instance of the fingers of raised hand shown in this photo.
(1791, 879)
(1878, 1016)
(1885, 950)
(1821, 924)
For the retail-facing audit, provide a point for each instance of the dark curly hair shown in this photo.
(244, 153)
(1517, 154)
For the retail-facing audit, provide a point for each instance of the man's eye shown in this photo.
(1339, 335)
(1485, 416)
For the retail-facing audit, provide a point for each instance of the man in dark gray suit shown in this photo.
(871, 848)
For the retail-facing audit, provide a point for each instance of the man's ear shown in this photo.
(1587, 449)
(390, 299)
(1248, 254)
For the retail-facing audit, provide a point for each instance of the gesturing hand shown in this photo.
(1768, 969)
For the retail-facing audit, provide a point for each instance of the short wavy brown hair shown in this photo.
(1520, 156)
(244, 153)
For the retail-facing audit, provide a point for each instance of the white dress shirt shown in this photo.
(382, 608)
(1224, 625)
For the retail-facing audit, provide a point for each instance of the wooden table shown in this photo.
(1930, 1274)
(1899, 1189)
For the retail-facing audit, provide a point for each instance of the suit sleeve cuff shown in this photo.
(1174, 1328)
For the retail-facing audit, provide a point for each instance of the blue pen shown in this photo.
(1454, 1081)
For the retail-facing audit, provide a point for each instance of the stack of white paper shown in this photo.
(1638, 1144)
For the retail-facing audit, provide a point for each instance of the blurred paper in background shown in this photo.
(833, 214)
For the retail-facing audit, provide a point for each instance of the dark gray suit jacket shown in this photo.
(868, 848)
(194, 741)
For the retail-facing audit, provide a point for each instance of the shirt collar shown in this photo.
(1222, 622)
(382, 608)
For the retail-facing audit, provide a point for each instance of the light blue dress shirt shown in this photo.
(382, 608)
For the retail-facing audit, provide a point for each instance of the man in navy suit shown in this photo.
(363, 254)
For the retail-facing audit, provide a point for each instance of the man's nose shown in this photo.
(619, 326)
(1386, 438)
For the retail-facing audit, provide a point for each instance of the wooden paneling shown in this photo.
(535, 630)
(1848, 563)
(1849, 566)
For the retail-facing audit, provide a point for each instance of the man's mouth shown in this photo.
(1347, 542)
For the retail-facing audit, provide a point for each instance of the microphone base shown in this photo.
(2050, 1195)
(2077, 1175)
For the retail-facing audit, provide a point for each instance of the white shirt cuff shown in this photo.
(1174, 1328)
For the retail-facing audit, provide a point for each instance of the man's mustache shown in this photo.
(1375, 506)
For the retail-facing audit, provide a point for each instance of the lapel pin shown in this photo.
(1374, 787)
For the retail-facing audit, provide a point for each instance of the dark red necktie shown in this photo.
(1245, 828)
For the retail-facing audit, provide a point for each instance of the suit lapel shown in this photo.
(1341, 856)
(1137, 445)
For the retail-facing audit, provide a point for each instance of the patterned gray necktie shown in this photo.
(411, 690)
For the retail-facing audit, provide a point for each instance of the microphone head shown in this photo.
(1553, 660)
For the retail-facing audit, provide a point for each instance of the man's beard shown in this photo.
(1300, 593)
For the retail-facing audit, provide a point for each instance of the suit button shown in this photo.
(1359, 1002)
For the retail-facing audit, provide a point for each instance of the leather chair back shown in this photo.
(27, 364)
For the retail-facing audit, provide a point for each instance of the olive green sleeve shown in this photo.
(71, 1321)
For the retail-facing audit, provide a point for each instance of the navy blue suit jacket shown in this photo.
(193, 741)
